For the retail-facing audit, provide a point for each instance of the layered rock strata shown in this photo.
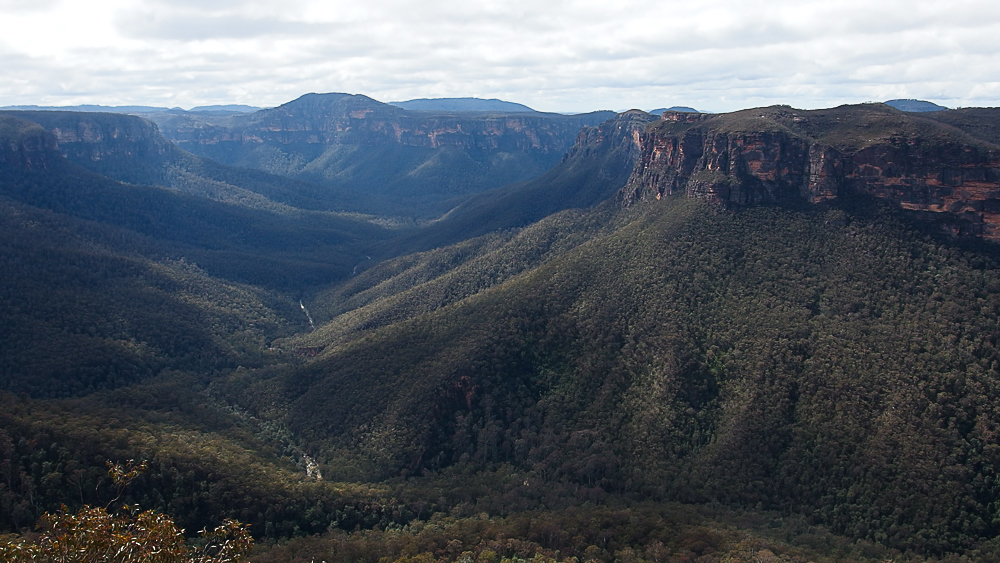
(331, 119)
(25, 145)
(776, 154)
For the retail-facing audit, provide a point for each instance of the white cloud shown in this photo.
(558, 55)
(13, 6)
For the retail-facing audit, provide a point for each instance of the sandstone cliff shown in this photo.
(328, 119)
(779, 153)
(99, 136)
(25, 145)
(122, 147)
(396, 161)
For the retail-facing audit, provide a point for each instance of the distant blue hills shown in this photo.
(682, 109)
(463, 104)
(421, 104)
(230, 108)
(915, 105)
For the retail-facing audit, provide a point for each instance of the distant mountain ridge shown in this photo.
(92, 108)
(131, 149)
(227, 109)
(682, 109)
(915, 106)
(403, 162)
(463, 104)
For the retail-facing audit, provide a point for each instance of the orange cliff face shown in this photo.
(705, 157)
(732, 168)
(957, 181)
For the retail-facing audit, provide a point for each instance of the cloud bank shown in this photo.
(715, 55)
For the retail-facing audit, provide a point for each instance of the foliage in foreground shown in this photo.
(125, 536)
(94, 534)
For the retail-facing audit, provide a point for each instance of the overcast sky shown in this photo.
(714, 55)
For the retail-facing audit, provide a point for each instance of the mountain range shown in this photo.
(914, 105)
(388, 159)
(463, 104)
(228, 108)
(686, 336)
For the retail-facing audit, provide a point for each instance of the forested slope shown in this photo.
(831, 362)
(287, 248)
(558, 350)
(119, 303)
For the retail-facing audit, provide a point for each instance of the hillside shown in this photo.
(696, 337)
(106, 284)
(982, 123)
(767, 356)
(758, 357)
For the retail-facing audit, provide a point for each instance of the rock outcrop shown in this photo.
(83, 136)
(616, 143)
(25, 145)
(122, 147)
(773, 154)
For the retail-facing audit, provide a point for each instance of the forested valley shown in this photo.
(644, 354)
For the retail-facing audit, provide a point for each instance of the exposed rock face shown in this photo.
(735, 168)
(99, 136)
(327, 119)
(123, 147)
(25, 145)
(956, 180)
(826, 174)
(745, 158)
(617, 141)
(391, 160)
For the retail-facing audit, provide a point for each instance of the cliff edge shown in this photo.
(779, 153)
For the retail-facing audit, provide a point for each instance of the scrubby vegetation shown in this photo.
(126, 535)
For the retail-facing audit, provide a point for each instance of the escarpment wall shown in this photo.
(99, 136)
(740, 168)
(332, 119)
(25, 145)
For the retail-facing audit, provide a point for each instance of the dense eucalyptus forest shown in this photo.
(762, 336)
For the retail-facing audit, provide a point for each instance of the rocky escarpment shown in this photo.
(394, 161)
(616, 143)
(25, 145)
(99, 136)
(122, 147)
(771, 154)
(328, 119)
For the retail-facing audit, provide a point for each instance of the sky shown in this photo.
(552, 55)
